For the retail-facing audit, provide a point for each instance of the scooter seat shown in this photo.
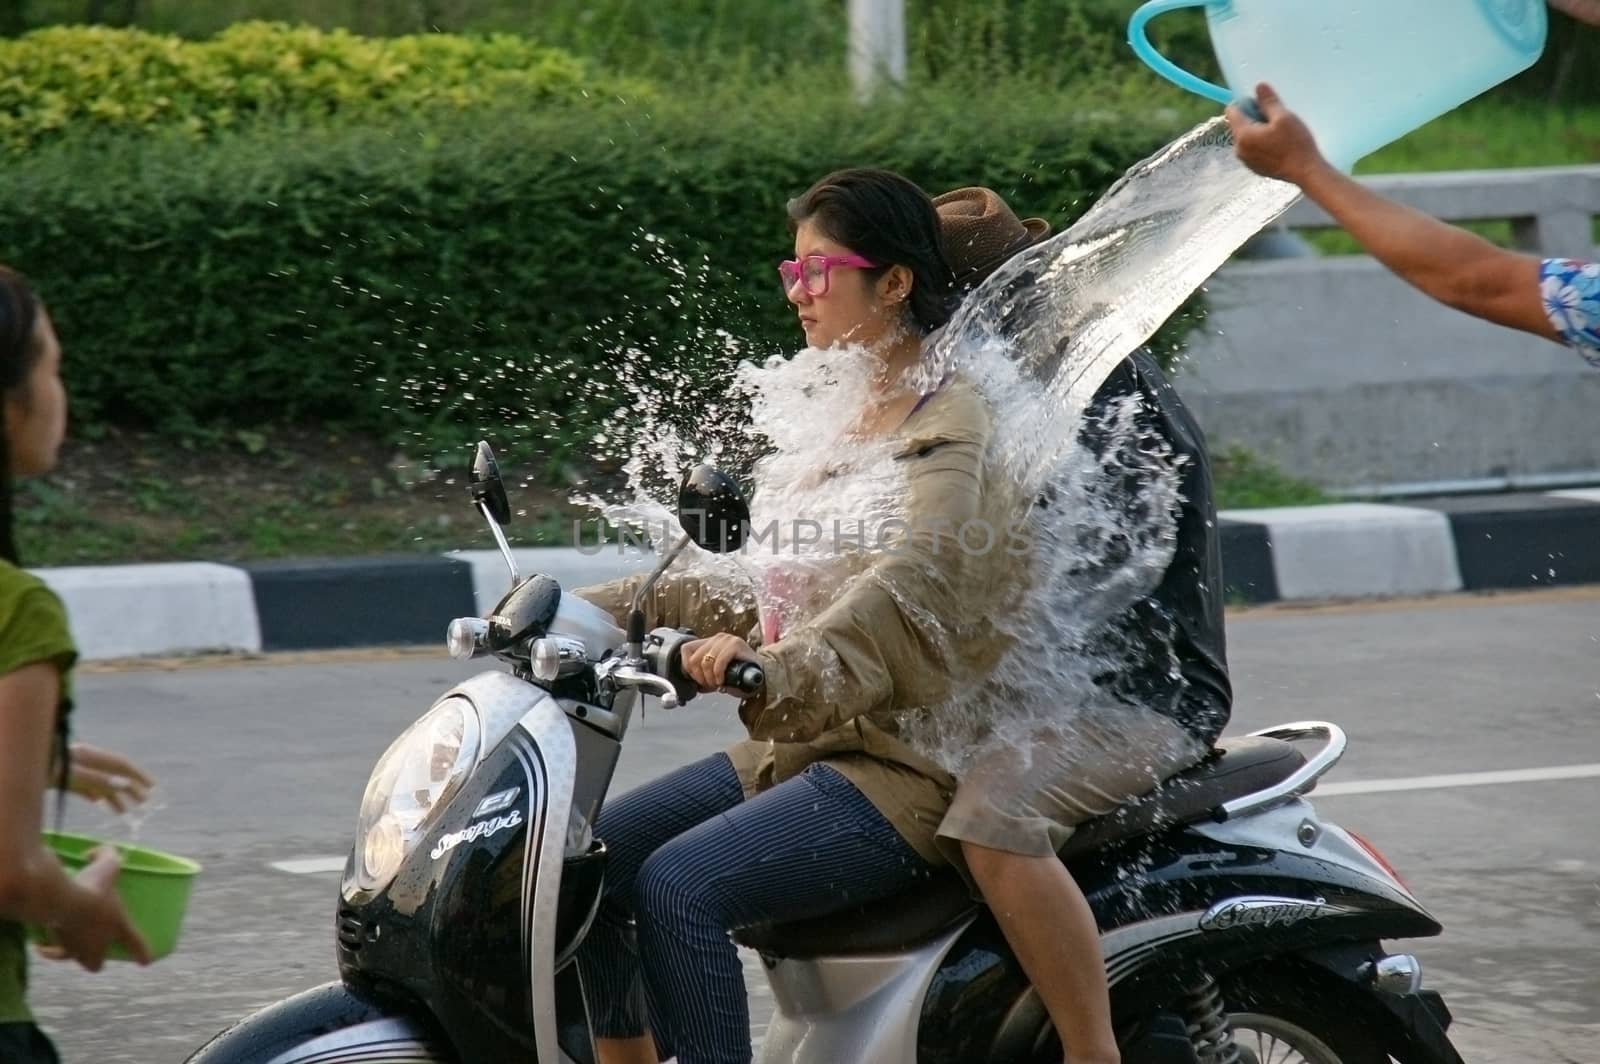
(1235, 768)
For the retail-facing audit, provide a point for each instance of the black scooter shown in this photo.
(1237, 924)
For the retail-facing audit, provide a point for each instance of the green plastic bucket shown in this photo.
(154, 887)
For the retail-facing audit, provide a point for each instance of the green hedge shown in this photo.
(80, 79)
(436, 279)
(1066, 41)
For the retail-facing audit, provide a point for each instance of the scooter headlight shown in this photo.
(416, 776)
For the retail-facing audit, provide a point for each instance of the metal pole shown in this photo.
(877, 45)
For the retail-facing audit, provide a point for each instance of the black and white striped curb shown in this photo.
(1311, 553)
(1424, 547)
(122, 611)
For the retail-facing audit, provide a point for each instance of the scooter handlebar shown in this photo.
(664, 651)
(746, 677)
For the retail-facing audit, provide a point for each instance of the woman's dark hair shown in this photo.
(888, 219)
(20, 310)
(19, 351)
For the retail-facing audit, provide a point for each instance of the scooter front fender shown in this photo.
(328, 1024)
(1417, 1021)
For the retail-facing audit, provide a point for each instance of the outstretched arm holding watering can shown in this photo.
(1558, 299)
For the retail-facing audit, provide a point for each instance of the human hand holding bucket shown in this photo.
(100, 927)
(1360, 75)
(149, 888)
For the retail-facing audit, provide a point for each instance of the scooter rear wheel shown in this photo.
(1274, 1040)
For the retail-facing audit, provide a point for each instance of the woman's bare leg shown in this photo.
(641, 1050)
(1050, 927)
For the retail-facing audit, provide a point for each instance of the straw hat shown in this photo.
(980, 232)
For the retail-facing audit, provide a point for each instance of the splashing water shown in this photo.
(1070, 309)
(1065, 314)
(128, 826)
(138, 814)
(821, 498)
(1038, 340)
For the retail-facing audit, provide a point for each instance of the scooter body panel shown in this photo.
(1211, 897)
(473, 923)
(850, 1008)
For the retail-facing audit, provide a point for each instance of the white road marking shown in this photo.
(1460, 779)
(310, 866)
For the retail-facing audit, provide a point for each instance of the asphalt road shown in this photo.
(264, 762)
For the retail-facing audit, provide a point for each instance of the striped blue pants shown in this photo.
(691, 861)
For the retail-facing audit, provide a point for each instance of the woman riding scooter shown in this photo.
(853, 777)
(824, 807)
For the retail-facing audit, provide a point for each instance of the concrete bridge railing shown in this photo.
(1343, 374)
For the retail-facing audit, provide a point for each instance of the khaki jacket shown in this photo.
(894, 643)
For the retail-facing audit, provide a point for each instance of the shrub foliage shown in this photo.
(84, 78)
(496, 268)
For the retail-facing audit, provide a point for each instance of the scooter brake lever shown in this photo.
(650, 683)
(666, 659)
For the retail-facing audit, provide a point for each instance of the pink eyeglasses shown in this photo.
(813, 270)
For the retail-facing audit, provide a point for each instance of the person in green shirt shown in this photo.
(83, 916)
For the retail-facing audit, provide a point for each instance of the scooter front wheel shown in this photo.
(328, 1024)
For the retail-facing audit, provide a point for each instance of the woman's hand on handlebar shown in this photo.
(706, 661)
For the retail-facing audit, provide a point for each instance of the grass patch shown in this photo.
(1493, 133)
(139, 498)
(275, 494)
(1243, 480)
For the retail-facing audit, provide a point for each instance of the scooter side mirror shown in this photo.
(488, 490)
(712, 510)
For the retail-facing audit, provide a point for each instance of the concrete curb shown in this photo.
(120, 611)
(1342, 551)
(1356, 550)
(1427, 546)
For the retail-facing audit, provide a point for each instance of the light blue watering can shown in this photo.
(1362, 73)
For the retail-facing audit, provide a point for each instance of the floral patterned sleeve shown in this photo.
(1570, 289)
